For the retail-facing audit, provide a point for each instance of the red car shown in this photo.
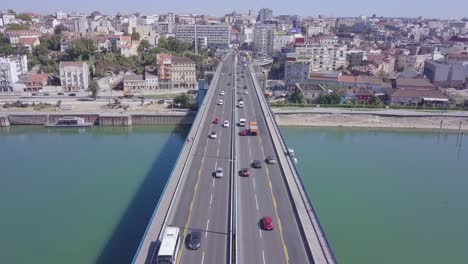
(243, 133)
(245, 172)
(216, 120)
(267, 223)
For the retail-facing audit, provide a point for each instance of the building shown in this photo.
(36, 82)
(164, 69)
(15, 36)
(246, 36)
(281, 40)
(447, 74)
(264, 14)
(217, 36)
(263, 39)
(74, 76)
(184, 74)
(11, 69)
(296, 72)
(323, 56)
(418, 96)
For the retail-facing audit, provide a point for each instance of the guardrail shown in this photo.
(193, 133)
(297, 179)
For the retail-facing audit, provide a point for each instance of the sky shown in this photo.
(393, 8)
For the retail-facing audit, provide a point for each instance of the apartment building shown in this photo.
(11, 69)
(217, 36)
(324, 56)
(74, 76)
(184, 74)
(263, 39)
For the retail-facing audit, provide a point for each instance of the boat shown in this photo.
(70, 121)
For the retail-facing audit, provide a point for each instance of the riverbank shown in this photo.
(391, 119)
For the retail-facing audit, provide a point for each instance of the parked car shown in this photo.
(267, 223)
(72, 94)
(60, 93)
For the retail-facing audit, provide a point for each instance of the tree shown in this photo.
(297, 97)
(94, 88)
(332, 98)
(135, 36)
(6, 48)
(53, 43)
(144, 45)
(59, 29)
(174, 45)
(81, 49)
(184, 100)
(24, 17)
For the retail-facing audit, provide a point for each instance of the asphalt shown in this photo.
(204, 201)
(263, 193)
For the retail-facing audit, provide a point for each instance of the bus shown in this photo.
(169, 246)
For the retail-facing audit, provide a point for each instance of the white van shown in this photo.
(242, 122)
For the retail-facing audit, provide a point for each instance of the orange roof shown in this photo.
(27, 41)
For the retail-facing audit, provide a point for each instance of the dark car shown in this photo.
(245, 86)
(256, 164)
(72, 94)
(60, 93)
(194, 239)
(244, 172)
(267, 223)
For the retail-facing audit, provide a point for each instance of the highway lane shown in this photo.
(204, 201)
(264, 193)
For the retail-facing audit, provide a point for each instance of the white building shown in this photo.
(296, 72)
(246, 35)
(263, 39)
(281, 40)
(74, 75)
(324, 56)
(11, 69)
(218, 36)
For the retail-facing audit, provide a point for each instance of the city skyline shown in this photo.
(398, 8)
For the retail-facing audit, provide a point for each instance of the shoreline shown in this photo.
(373, 121)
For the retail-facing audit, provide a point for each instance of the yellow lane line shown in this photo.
(285, 248)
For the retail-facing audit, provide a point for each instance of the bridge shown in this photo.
(228, 209)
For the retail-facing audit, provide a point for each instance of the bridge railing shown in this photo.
(297, 178)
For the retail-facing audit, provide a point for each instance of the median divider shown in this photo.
(313, 234)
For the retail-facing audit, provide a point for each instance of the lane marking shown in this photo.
(256, 203)
(211, 199)
(203, 258)
(213, 183)
(260, 231)
(253, 182)
(263, 256)
(207, 225)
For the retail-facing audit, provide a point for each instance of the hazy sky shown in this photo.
(403, 8)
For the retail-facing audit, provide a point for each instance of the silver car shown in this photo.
(219, 173)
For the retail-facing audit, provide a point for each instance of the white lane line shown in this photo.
(211, 200)
(263, 256)
(203, 258)
(207, 225)
(260, 231)
(256, 203)
(253, 182)
(213, 183)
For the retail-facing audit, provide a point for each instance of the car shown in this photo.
(229, 83)
(244, 172)
(245, 86)
(46, 94)
(239, 92)
(242, 122)
(72, 94)
(243, 132)
(271, 160)
(219, 173)
(221, 93)
(246, 92)
(241, 104)
(256, 164)
(60, 93)
(34, 94)
(216, 120)
(213, 135)
(194, 240)
(226, 123)
(267, 223)
(240, 99)
(220, 102)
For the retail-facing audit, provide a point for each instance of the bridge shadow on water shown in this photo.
(126, 237)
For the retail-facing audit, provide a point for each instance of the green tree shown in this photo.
(17, 27)
(332, 98)
(144, 45)
(297, 97)
(53, 43)
(94, 88)
(59, 29)
(184, 100)
(6, 48)
(135, 36)
(81, 49)
(24, 17)
(173, 45)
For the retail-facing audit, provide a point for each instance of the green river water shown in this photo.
(85, 196)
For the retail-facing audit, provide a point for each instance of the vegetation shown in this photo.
(80, 49)
(332, 98)
(184, 100)
(297, 97)
(94, 88)
(135, 36)
(24, 17)
(59, 29)
(7, 49)
(17, 27)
